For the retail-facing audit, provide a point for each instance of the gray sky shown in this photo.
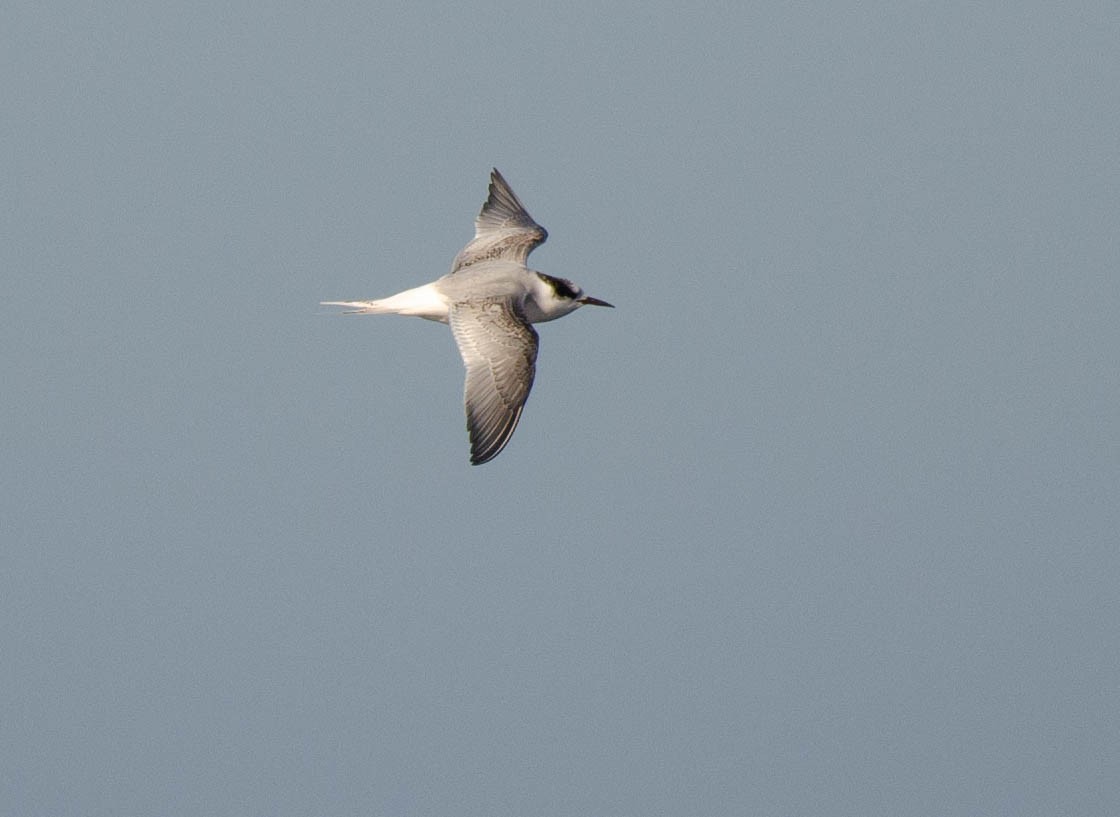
(822, 519)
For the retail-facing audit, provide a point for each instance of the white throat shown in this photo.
(543, 303)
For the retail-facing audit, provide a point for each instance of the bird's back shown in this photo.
(498, 279)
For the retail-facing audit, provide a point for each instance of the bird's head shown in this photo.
(561, 296)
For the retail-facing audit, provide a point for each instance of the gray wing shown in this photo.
(499, 349)
(503, 230)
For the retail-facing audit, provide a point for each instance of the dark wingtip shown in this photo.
(484, 457)
(498, 181)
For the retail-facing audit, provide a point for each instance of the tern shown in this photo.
(490, 299)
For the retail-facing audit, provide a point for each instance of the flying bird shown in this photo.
(490, 299)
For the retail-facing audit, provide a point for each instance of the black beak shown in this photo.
(589, 301)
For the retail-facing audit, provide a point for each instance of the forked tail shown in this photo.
(358, 307)
(423, 302)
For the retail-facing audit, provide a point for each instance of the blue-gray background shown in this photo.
(822, 519)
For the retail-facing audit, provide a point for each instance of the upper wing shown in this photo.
(499, 349)
(504, 229)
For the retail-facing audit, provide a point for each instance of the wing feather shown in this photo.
(503, 230)
(499, 350)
